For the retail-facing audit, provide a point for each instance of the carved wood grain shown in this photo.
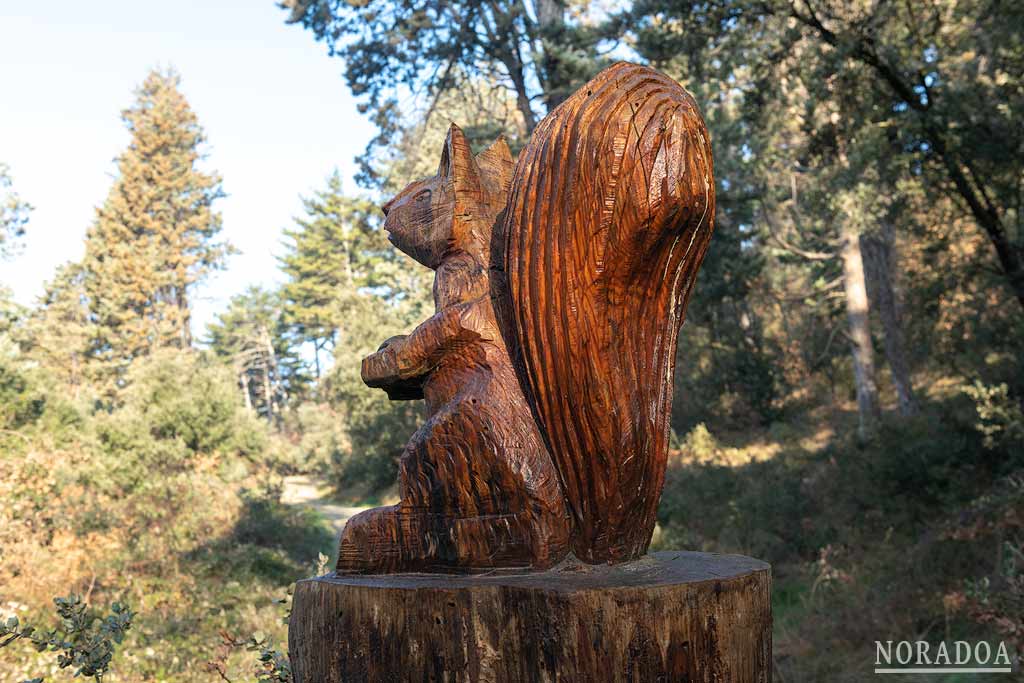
(612, 209)
(478, 489)
(548, 367)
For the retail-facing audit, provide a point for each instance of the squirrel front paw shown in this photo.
(380, 368)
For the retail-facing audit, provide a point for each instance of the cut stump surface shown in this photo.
(670, 616)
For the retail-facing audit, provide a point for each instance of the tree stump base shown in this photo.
(670, 616)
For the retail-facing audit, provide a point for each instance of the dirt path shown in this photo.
(312, 493)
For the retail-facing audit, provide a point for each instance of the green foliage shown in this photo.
(155, 236)
(996, 598)
(794, 502)
(338, 259)
(21, 398)
(868, 541)
(700, 444)
(83, 640)
(198, 538)
(376, 429)
(10, 311)
(271, 540)
(482, 112)
(325, 445)
(348, 289)
(14, 213)
(436, 47)
(755, 509)
(1000, 418)
(275, 667)
(142, 464)
(251, 335)
(178, 406)
(60, 330)
(856, 97)
(731, 382)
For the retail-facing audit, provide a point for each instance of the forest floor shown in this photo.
(905, 536)
(315, 494)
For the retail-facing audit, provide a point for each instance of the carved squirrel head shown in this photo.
(455, 210)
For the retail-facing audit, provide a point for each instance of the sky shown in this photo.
(276, 111)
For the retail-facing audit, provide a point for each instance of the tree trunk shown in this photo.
(550, 69)
(267, 351)
(272, 372)
(523, 98)
(860, 332)
(985, 213)
(184, 318)
(316, 357)
(879, 253)
(671, 616)
(243, 378)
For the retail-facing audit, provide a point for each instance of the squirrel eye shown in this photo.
(423, 195)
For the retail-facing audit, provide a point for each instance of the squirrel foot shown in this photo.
(403, 539)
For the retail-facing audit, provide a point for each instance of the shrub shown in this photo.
(1000, 417)
(177, 407)
(377, 430)
(21, 397)
(994, 520)
(324, 446)
(83, 639)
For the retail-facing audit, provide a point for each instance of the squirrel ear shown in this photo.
(495, 162)
(457, 157)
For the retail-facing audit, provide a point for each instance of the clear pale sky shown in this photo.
(275, 108)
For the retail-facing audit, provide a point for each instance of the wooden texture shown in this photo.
(679, 617)
(478, 488)
(611, 212)
(548, 367)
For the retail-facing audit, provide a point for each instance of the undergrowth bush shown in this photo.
(357, 448)
(868, 541)
(84, 641)
(169, 501)
(177, 406)
(1000, 416)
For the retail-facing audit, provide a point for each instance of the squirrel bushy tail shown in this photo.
(611, 212)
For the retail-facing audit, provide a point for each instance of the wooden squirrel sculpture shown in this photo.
(548, 367)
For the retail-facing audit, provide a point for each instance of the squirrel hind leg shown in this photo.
(403, 539)
(370, 544)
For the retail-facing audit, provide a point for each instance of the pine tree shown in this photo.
(335, 255)
(156, 235)
(60, 329)
(250, 336)
(539, 51)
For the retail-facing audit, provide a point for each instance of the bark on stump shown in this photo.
(671, 616)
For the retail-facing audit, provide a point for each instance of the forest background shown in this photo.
(848, 399)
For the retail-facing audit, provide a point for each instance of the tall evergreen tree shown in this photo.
(156, 235)
(60, 329)
(348, 289)
(336, 253)
(250, 335)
